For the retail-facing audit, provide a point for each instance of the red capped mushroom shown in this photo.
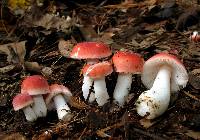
(36, 86)
(163, 73)
(91, 52)
(59, 95)
(97, 72)
(126, 63)
(24, 101)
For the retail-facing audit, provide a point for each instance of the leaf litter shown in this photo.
(43, 47)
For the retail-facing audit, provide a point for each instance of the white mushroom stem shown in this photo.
(61, 106)
(87, 84)
(154, 102)
(29, 113)
(122, 88)
(39, 106)
(100, 91)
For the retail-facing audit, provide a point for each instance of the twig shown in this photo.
(101, 132)
(82, 133)
(191, 96)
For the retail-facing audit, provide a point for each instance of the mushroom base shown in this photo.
(61, 106)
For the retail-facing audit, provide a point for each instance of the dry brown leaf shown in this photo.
(15, 51)
(7, 68)
(47, 71)
(51, 21)
(194, 78)
(88, 33)
(146, 123)
(32, 66)
(77, 103)
(193, 134)
(14, 136)
(65, 47)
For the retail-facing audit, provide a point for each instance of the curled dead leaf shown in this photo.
(15, 51)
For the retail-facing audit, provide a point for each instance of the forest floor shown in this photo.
(37, 39)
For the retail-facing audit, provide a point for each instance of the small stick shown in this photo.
(101, 132)
(191, 96)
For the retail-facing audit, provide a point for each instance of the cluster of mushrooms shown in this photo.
(163, 75)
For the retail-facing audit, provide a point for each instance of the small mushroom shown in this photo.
(91, 52)
(60, 95)
(36, 86)
(163, 73)
(195, 37)
(126, 63)
(24, 101)
(98, 72)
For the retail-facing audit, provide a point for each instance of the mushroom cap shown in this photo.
(127, 62)
(57, 89)
(98, 70)
(35, 85)
(21, 100)
(179, 76)
(90, 50)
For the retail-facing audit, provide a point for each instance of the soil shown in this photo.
(145, 27)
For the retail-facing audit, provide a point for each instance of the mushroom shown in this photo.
(126, 63)
(97, 72)
(91, 51)
(162, 73)
(24, 101)
(60, 95)
(36, 86)
(195, 37)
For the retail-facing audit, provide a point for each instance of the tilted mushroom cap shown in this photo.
(57, 89)
(127, 62)
(35, 85)
(98, 70)
(179, 76)
(90, 50)
(22, 100)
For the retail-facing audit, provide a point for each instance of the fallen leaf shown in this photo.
(194, 78)
(187, 19)
(88, 33)
(7, 68)
(32, 66)
(15, 51)
(14, 136)
(77, 103)
(50, 21)
(65, 47)
(146, 123)
(193, 134)
(47, 71)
